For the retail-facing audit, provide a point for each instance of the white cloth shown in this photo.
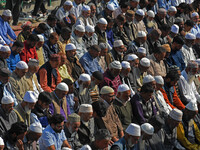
(188, 54)
(77, 9)
(60, 14)
(188, 91)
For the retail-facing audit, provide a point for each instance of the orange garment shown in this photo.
(177, 102)
(43, 80)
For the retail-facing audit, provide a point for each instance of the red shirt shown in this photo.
(28, 53)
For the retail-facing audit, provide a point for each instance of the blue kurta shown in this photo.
(12, 61)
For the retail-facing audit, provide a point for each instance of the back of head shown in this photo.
(100, 108)
(102, 134)
(51, 18)
(178, 40)
(18, 44)
(173, 73)
(146, 88)
(42, 26)
(95, 48)
(18, 128)
(33, 38)
(56, 119)
(189, 23)
(67, 81)
(159, 50)
(45, 97)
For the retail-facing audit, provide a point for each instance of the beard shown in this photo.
(27, 110)
(82, 90)
(130, 144)
(57, 131)
(191, 78)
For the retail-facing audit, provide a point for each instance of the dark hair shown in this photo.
(42, 26)
(18, 128)
(147, 88)
(189, 23)
(123, 4)
(57, 118)
(121, 17)
(98, 75)
(100, 108)
(67, 81)
(165, 27)
(102, 134)
(18, 44)
(66, 30)
(45, 97)
(156, 121)
(178, 40)
(53, 35)
(109, 19)
(33, 38)
(95, 48)
(51, 18)
(159, 50)
(173, 74)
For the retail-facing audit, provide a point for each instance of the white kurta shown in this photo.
(188, 54)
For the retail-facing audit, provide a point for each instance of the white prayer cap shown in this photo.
(118, 43)
(89, 28)
(140, 12)
(172, 8)
(176, 114)
(194, 14)
(30, 97)
(41, 38)
(106, 90)
(115, 65)
(111, 7)
(141, 34)
(148, 78)
(36, 127)
(86, 8)
(1, 141)
(145, 62)
(22, 65)
(80, 28)
(123, 88)
(69, 3)
(147, 128)
(5, 48)
(85, 108)
(133, 129)
(33, 62)
(7, 13)
(125, 64)
(62, 86)
(190, 36)
(66, 148)
(175, 28)
(142, 50)
(192, 106)
(84, 77)
(86, 147)
(102, 21)
(131, 57)
(162, 10)
(150, 13)
(7, 100)
(159, 80)
(70, 46)
(198, 35)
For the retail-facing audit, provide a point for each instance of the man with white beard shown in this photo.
(118, 50)
(82, 89)
(186, 84)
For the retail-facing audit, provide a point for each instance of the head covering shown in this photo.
(106, 90)
(5, 48)
(86, 147)
(111, 7)
(179, 20)
(148, 78)
(172, 8)
(36, 127)
(54, 57)
(7, 13)
(159, 80)
(102, 21)
(125, 65)
(147, 128)
(141, 34)
(1, 141)
(131, 57)
(190, 36)
(69, 3)
(166, 47)
(85, 108)
(133, 129)
(140, 12)
(66, 148)
(62, 86)
(150, 13)
(194, 14)
(33, 62)
(198, 35)
(192, 106)
(115, 65)
(21, 65)
(142, 50)
(26, 24)
(30, 97)
(7, 100)
(175, 28)
(86, 8)
(89, 28)
(176, 114)
(123, 88)
(145, 62)
(5, 72)
(73, 118)
(118, 43)
(70, 46)
(84, 77)
(162, 10)
(80, 28)
(41, 38)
